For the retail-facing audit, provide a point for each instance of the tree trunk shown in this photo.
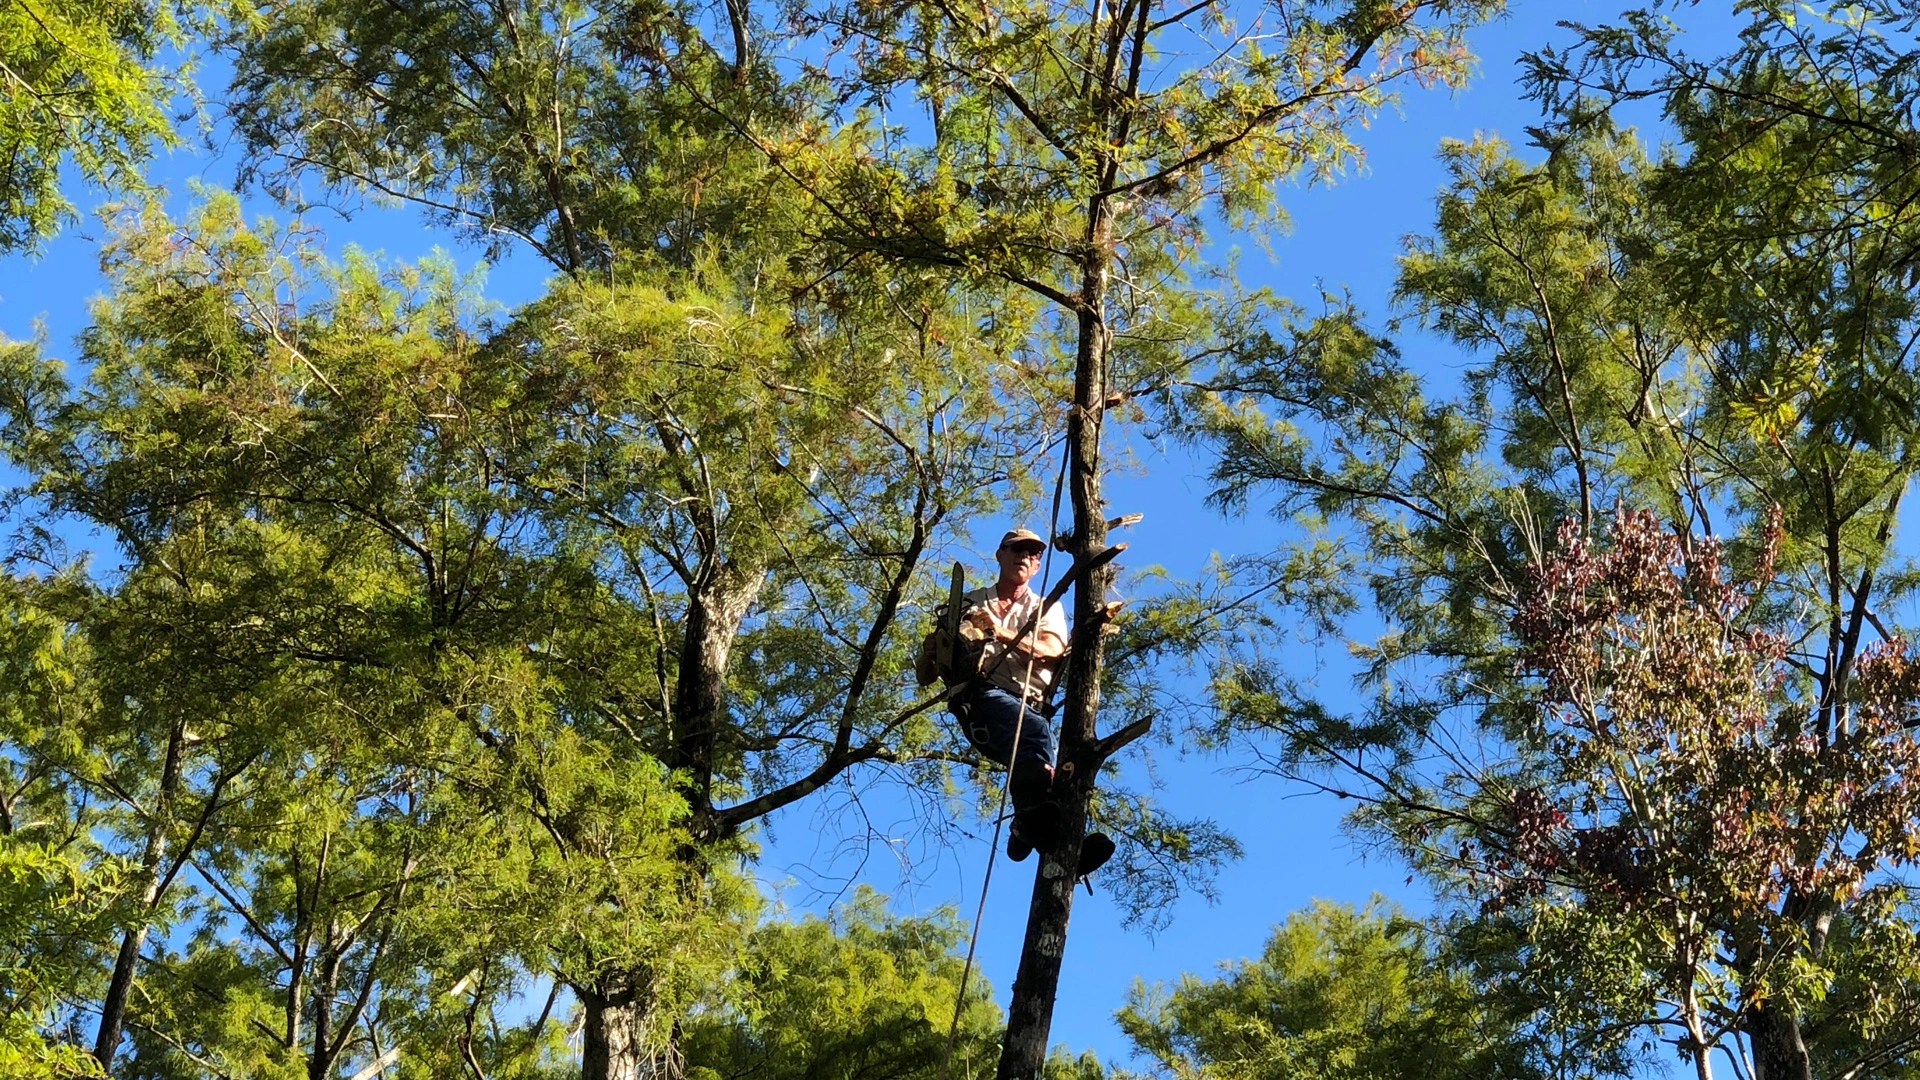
(320, 1059)
(113, 1010)
(613, 1038)
(715, 610)
(620, 1043)
(1037, 982)
(618, 1035)
(1779, 1051)
(1030, 1014)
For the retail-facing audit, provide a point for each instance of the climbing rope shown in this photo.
(1019, 720)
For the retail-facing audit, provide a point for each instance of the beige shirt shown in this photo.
(1012, 617)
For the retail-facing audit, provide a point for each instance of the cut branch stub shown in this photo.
(1080, 570)
(1064, 541)
(1114, 743)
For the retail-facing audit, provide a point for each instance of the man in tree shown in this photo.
(1014, 641)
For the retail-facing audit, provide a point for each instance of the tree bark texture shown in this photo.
(626, 1036)
(1037, 982)
(714, 613)
(1779, 1050)
(613, 1037)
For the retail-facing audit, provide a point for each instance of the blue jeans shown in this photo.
(988, 716)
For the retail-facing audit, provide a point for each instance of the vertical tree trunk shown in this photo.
(113, 1010)
(1779, 1051)
(1772, 1029)
(622, 1037)
(320, 1058)
(1030, 1014)
(613, 1037)
(620, 1014)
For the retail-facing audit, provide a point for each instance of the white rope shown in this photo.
(1019, 721)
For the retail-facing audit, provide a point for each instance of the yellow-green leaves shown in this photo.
(1336, 992)
(78, 82)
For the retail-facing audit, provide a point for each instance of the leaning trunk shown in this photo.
(1030, 1014)
(113, 1009)
(627, 1037)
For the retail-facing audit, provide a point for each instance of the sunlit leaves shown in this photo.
(581, 131)
(865, 993)
(78, 82)
(1335, 992)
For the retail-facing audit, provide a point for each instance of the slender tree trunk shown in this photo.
(624, 1037)
(1773, 1030)
(320, 1058)
(1030, 1014)
(113, 1010)
(1697, 1042)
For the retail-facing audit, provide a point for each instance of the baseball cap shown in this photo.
(1022, 537)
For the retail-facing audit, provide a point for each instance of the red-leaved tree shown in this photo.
(1685, 827)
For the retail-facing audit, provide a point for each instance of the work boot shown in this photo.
(1095, 850)
(1035, 826)
(1018, 847)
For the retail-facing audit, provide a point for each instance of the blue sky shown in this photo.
(1344, 236)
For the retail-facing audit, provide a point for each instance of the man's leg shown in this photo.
(989, 722)
(993, 715)
(1030, 777)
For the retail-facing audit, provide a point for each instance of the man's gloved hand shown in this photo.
(926, 663)
(981, 620)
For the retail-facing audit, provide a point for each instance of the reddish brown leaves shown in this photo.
(1706, 779)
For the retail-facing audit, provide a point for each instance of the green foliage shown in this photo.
(78, 81)
(1719, 335)
(582, 131)
(50, 906)
(1335, 993)
(1799, 136)
(1051, 199)
(447, 661)
(1079, 154)
(865, 995)
(305, 708)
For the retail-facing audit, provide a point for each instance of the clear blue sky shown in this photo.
(1344, 236)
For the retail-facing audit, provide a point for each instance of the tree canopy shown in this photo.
(1337, 992)
(1626, 744)
(392, 684)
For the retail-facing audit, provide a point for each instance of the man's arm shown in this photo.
(1049, 642)
(1046, 645)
